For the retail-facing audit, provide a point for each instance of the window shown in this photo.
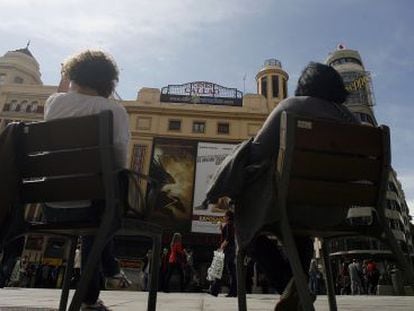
(18, 80)
(284, 88)
(2, 78)
(275, 86)
(223, 128)
(13, 105)
(174, 125)
(33, 107)
(199, 127)
(263, 83)
(23, 106)
(366, 118)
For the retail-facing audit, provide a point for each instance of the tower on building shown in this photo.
(357, 81)
(361, 101)
(271, 82)
(19, 67)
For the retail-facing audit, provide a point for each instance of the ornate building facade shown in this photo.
(361, 102)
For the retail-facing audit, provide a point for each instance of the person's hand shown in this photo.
(64, 83)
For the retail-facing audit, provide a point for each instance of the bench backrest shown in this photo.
(68, 159)
(326, 163)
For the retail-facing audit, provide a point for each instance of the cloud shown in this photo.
(135, 23)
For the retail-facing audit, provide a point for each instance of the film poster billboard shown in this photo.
(173, 165)
(207, 216)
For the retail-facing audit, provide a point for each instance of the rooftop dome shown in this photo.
(21, 63)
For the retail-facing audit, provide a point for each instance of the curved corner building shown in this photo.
(361, 102)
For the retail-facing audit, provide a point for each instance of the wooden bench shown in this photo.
(72, 159)
(324, 169)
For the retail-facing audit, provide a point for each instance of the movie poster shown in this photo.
(173, 165)
(207, 216)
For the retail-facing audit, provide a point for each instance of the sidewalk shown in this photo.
(48, 299)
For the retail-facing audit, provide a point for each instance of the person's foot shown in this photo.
(231, 295)
(289, 300)
(118, 281)
(98, 305)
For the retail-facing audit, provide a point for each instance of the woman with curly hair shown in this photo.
(88, 80)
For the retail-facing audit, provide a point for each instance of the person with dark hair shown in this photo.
(320, 93)
(228, 246)
(88, 80)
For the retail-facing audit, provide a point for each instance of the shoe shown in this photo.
(231, 295)
(289, 300)
(118, 281)
(98, 305)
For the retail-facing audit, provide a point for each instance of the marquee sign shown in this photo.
(201, 92)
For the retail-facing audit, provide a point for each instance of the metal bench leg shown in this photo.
(68, 275)
(95, 255)
(241, 279)
(298, 274)
(328, 277)
(155, 268)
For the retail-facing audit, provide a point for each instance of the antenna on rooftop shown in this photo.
(244, 83)
(27, 45)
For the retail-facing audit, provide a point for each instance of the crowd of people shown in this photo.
(358, 278)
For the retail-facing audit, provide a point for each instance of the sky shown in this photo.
(157, 43)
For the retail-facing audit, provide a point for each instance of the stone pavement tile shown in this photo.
(14, 299)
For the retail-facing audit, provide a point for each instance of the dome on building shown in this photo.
(19, 67)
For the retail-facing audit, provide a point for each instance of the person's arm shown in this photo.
(225, 236)
(64, 83)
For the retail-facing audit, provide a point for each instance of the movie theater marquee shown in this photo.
(201, 92)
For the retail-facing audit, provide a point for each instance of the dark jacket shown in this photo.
(247, 176)
(9, 174)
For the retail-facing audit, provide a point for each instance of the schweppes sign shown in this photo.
(357, 84)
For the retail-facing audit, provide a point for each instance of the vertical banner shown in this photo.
(206, 216)
(173, 165)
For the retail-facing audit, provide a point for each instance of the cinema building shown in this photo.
(179, 134)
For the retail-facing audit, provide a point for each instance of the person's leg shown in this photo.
(231, 270)
(180, 269)
(215, 287)
(110, 264)
(167, 277)
(271, 261)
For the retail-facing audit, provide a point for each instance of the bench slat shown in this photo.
(334, 167)
(310, 192)
(338, 138)
(62, 189)
(62, 163)
(68, 133)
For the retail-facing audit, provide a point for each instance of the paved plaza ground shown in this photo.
(47, 299)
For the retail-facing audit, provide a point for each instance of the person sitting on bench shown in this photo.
(88, 80)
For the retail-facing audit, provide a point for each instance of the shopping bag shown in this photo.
(215, 271)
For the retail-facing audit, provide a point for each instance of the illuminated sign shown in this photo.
(357, 84)
(201, 92)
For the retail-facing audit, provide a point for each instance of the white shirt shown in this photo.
(73, 104)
